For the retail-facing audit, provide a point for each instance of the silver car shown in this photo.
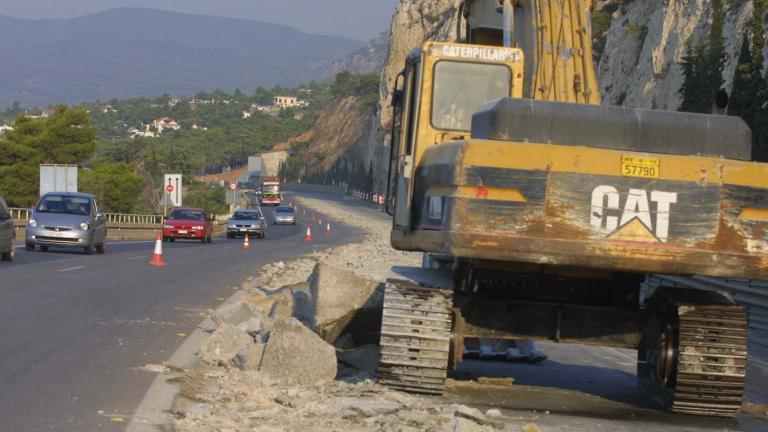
(249, 221)
(284, 215)
(7, 233)
(67, 219)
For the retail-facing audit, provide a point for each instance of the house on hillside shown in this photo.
(283, 102)
(46, 113)
(246, 114)
(195, 126)
(164, 123)
(108, 109)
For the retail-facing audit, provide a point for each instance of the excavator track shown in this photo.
(698, 364)
(415, 337)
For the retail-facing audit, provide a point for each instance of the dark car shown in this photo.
(284, 215)
(249, 221)
(188, 223)
(7, 233)
(67, 219)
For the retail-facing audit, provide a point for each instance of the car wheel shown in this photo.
(171, 239)
(29, 247)
(210, 238)
(44, 248)
(88, 250)
(8, 256)
(100, 249)
(165, 239)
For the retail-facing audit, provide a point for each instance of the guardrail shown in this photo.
(751, 293)
(22, 214)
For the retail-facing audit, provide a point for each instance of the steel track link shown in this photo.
(708, 368)
(415, 337)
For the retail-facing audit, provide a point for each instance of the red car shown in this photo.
(188, 223)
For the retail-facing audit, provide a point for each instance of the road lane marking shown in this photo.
(137, 257)
(71, 268)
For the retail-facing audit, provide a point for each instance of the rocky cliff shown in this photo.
(640, 64)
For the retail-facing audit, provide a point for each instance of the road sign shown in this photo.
(172, 188)
(233, 186)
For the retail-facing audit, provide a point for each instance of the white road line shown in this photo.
(137, 257)
(71, 268)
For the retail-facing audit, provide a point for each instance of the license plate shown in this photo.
(639, 167)
(243, 229)
(182, 231)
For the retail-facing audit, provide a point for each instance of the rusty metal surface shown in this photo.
(578, 219)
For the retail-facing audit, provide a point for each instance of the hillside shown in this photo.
(133, 52)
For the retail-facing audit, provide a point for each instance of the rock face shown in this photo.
(646, 42)
(295, 355)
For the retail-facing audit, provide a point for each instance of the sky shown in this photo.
(358, 19)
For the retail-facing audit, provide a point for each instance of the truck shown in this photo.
(270, 191)
(553, 208)
(58, 178)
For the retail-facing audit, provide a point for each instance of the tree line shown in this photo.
(703, 67)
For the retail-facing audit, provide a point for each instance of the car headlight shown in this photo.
(199, 227)
(84, 226)
(33, 223)
(232, 226)
(168, 226)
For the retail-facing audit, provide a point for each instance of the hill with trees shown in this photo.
(131, 52)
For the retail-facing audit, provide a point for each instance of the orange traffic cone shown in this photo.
(246, 244)
(308, 237)
(157, 258)
(328, 230)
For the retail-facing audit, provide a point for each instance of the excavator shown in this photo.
(554, 208)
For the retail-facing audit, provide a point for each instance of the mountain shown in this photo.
(367, 59)
(129, 52)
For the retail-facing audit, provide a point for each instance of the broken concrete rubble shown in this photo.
(249, 358)
(339, 297)
(295, 355)
(223, 345)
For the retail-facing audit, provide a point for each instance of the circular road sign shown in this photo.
(233, 186)
(169, 188)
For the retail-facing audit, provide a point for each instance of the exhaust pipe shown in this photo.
(508, 10)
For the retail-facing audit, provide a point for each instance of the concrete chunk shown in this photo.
(223, 345)
(295, 355)
(339, 297)
(249, 358)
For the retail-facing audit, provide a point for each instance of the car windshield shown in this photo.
(186, 214)
(64, 204)
(284, 210)
(245, 216)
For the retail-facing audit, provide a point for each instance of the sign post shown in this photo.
(172, 185)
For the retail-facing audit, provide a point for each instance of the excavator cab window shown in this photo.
(460, 88)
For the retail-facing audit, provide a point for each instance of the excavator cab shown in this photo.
(442, 86)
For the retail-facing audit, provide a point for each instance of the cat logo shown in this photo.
(634, 220)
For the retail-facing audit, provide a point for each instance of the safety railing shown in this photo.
(22, 214)
(751, 293)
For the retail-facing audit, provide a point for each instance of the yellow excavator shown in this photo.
(554, 208)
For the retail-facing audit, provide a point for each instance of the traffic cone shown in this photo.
(246, 244)
(328, 230)
(314, 216)
(320, 222)
(157, 258)
(308, 237)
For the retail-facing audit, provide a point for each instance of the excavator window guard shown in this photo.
(460, 88)
(397, 102)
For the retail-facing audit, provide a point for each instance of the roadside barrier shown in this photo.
(157, 257)
(308, 237)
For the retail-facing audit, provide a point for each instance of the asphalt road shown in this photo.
(75, 328)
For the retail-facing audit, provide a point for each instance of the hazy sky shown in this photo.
(359, 19)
